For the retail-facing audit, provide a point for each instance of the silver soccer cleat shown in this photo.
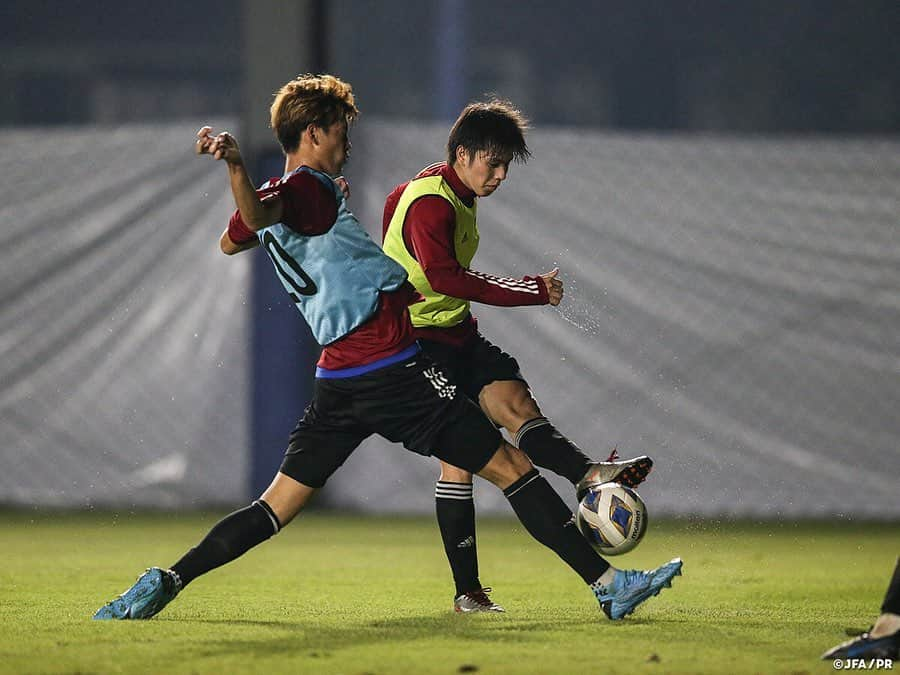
(476, 601)
(628, 472)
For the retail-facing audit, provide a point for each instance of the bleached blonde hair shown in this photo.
(320, 100)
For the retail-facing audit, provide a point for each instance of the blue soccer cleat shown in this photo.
(630, 588)
(153, 590)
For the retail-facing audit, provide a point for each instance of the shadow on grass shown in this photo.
(313, 639)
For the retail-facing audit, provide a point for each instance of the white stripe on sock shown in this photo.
(272, 518)
(528, 426)
(530, 480)
(446, 490)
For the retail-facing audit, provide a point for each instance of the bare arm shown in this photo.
(256, 213)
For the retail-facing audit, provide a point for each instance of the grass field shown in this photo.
(342, 594)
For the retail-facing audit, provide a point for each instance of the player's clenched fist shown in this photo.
(554, 286)
(343, 185)
(220, 146)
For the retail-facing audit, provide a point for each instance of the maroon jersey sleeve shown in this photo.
(390, 205)
(238, 231)
(308, 207)
(428, 233)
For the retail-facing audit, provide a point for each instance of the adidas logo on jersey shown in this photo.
(440, 383)
(468, 542)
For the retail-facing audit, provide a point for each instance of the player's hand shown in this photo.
(344, 186)
(554, 286)
(221, 146)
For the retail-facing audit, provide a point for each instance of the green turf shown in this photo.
(372, 595)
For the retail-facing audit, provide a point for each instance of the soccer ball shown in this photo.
(612, 517)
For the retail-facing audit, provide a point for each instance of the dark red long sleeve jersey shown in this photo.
(428, 231)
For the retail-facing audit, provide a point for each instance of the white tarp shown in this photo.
(732, 308)
(123, 330)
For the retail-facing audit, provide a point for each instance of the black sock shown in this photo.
(456, 518)
(549, 449)
(548, 520)
(891, 603)
(230, 538)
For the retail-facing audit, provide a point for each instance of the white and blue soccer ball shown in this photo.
(612, 517)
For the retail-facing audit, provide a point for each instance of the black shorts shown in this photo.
(412, 402)
(475, 364)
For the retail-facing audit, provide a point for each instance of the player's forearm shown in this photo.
(487, 289)
(255, 214)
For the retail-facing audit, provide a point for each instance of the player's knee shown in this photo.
(285, 514)
(453, 474)
(286, 497)
(506, 466)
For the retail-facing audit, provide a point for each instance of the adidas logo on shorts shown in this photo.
(440, 383)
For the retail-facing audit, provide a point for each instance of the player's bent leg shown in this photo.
(467, 442)
(542, 512)
(506, 466)
(550, 522)
(509, 403)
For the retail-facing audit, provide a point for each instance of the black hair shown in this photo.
(493, 126)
